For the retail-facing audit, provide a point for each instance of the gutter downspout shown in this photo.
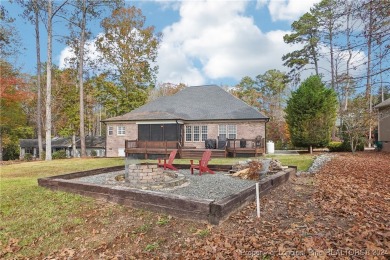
(105, 140)
(265, 137)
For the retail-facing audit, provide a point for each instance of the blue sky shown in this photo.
(204, 42)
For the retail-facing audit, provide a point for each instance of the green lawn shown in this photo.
(303, 162)
(35, 220)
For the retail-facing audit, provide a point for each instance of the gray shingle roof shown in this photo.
(385, 103)
(194, 103)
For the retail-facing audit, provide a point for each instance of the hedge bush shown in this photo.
(344, 147)
(59, 155)
(28, 157)
(336, 147)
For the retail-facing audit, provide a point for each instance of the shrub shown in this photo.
(93, 153)
(11, 152)
(344, 147)
(347, 146)
(59, 155)
(28, 157)
(336, 146)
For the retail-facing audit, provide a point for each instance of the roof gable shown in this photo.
(385, 103)
(194, 103)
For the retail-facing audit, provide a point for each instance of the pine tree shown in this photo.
(311, 114)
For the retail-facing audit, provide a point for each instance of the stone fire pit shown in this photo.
(147, 176)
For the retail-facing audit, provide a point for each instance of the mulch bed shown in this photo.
(341, 212)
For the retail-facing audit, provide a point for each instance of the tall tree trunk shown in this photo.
(39, 95)
(74, 149)
(315, 60)
(380, 69)
(368, 83)
(333, 84)
(1, 146)
(48, 80)
(311, 149)
(348, 32)
(81, 83)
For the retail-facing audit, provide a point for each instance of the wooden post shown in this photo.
(146, 149)
(234, 148)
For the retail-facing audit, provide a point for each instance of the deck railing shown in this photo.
(152, 144)
(245, 143)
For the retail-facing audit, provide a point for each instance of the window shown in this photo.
(188, 133)
(227, 131)
(232, 131)
(204, 132)
(222, 132)
(110, 130)
(121, 130)
(196, 133)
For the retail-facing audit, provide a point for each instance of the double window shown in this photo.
(227, 131)
(196, 133)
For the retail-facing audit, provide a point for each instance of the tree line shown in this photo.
(67, 102)
(345, 44)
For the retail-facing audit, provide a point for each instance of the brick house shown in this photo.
(384, 124)
(193, 119)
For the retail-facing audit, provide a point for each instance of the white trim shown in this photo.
(117, 130)
(192, 133)
(159, 122)
(108, 130)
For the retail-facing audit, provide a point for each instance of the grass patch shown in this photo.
(303, 162)
(38, 218)
(38, 221)
(163, 220)
(143, 229)
(39, 169)
(152, 247)
(203, 232)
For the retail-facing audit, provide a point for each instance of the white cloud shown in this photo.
(215, 40)
(287, 10)
(91, 55)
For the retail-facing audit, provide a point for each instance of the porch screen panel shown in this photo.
(171, 132)
(156, 133)
(144, 132)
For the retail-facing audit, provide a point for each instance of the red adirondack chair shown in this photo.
(168, 164)
(203, 163)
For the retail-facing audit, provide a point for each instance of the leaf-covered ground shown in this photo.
(342, 212)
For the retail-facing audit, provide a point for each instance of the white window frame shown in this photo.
(110, 130)
(227, 131)
(121, 130)
(188, 134)
(196, 133)
(203, 132)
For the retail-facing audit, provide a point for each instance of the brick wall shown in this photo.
(116, 142)
(247, 130)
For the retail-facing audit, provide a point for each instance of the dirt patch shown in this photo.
(341, 212)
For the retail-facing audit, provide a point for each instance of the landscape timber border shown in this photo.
(203, 210)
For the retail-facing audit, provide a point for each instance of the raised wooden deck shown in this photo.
(159, 149)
